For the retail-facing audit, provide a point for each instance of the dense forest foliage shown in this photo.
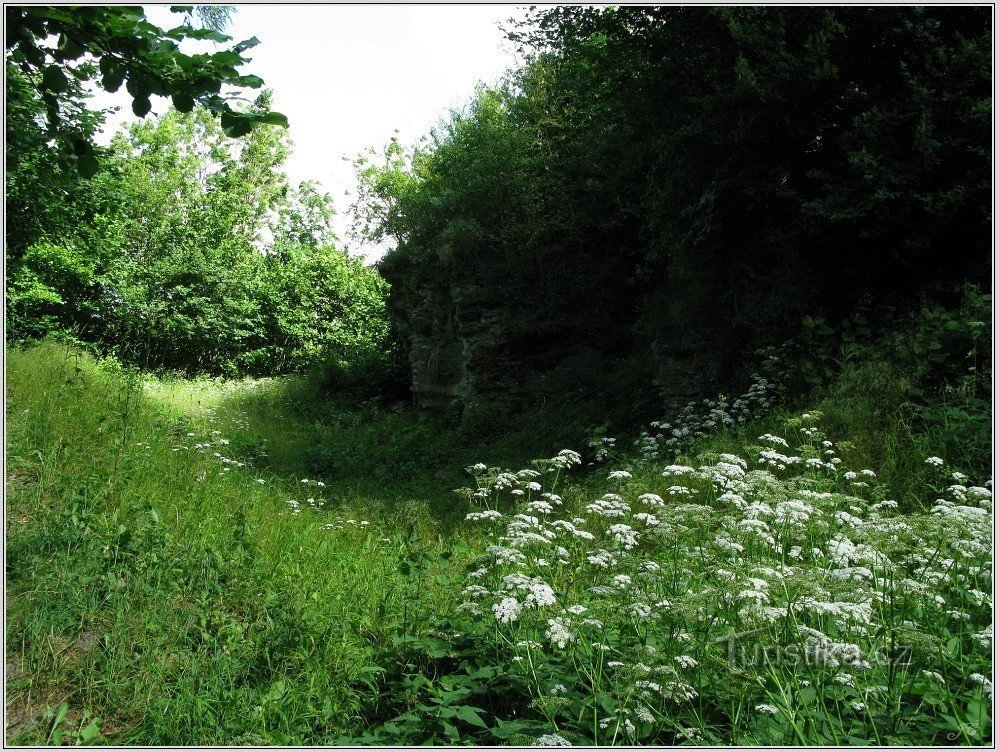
(61, 48)
(654, 195)
(696, 181)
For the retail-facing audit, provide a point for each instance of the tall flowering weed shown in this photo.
(775, 597)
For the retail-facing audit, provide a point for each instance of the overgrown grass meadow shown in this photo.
(176, 598)
(206, 562)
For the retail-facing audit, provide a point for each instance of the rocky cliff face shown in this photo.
(428, 322)
(450, 340)
(463, 346)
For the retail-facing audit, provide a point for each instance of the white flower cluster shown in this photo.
(602, 447)
(552, 740)
(699, 419)
(209, 447)
(492, 483)
(795, 550)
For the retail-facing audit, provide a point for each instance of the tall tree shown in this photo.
(695, 180)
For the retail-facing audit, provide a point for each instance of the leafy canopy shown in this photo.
(682, 184)
(55, 46)
(190, 251)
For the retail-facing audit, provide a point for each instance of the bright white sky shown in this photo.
(349, 76)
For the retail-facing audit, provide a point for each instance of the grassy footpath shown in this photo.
(203, 562)
(159, 595)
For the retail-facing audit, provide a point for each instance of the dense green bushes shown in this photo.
(921, 388)
(188, 252)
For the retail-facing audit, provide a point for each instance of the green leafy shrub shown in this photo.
(613, 196)
(48, 289)
(195, 256)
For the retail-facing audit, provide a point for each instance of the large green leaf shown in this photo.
(235, 124)
(246, 44)
(253, 82)
(189, 32)
(69, 49)
(272, 118)
(141, 106)
(183, 101)
(87, 165)
(54, 80)
(470, 715)
(112, 81)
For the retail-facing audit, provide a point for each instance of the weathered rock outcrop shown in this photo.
(450, 339)
(463, 345)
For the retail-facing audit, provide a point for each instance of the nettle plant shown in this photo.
(775, 598)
